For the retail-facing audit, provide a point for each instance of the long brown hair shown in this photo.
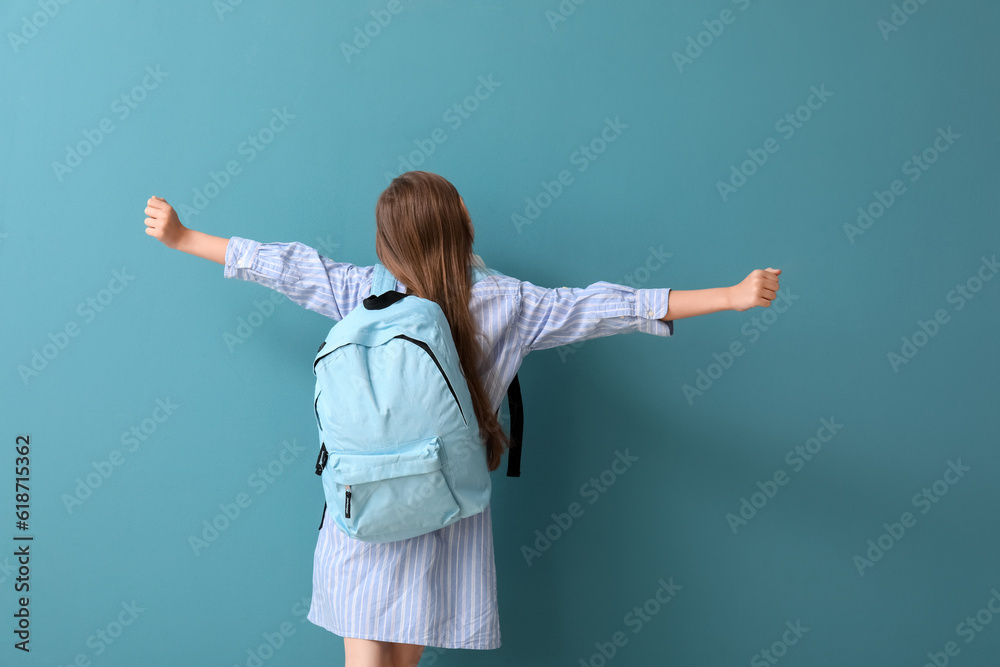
(424, 236)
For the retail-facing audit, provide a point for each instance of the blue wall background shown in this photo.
(892, 75)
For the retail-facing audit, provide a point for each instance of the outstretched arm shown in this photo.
(162, 223)
(757, 289)
(317, 283)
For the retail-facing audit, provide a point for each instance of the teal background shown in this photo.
(825, 356)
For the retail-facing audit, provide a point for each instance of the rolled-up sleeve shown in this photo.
(549, 317)
(299, 272)
(240, 256)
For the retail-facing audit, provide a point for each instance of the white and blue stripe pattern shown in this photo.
(437, 589)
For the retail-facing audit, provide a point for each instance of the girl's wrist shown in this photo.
(727, 298)
(184, 239)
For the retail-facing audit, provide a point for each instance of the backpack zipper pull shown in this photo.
(347, 506)
(321, 459)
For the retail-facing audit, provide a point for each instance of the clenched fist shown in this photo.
(757, 289)
(162, 222)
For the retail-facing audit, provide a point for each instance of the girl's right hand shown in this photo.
(162, 222)
(757, 289)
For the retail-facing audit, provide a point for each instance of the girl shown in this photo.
(390, 600)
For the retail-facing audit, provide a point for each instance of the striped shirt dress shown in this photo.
(437, 589)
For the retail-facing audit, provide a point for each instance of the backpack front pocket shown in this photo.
(390, 494)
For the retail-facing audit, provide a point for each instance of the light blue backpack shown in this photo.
(400, 452)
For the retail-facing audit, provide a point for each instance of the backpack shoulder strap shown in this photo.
(516, 428)
(382, 280)
(479, 272)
